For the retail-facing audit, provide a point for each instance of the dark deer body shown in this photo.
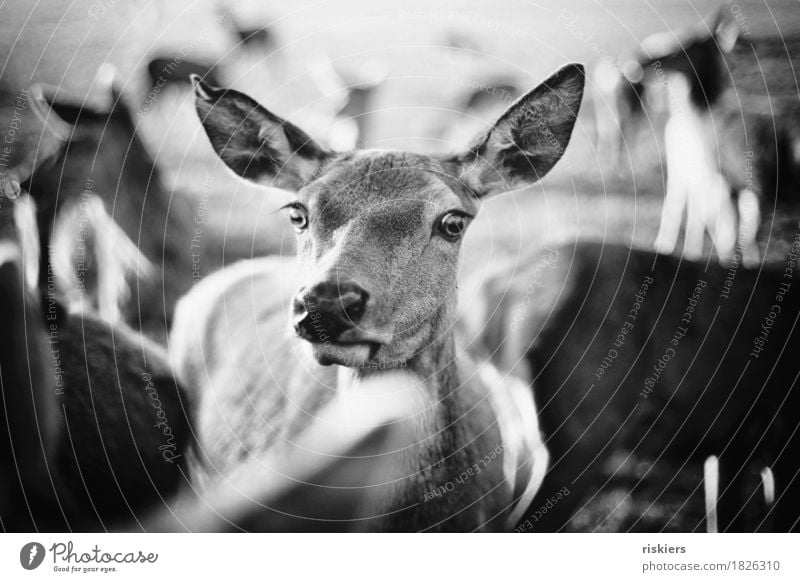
(30, 422)
(99, 428)
(668, 359)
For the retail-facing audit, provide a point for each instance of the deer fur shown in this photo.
(88, 449)
(618, 362)
(373, 217)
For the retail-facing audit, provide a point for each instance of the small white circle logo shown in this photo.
(31, 555)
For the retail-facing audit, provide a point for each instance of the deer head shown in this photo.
(379, 232)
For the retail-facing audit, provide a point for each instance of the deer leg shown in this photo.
(767, 500)
(711, 490)
(694, 236)
(678, 178)
(768, 481)
(671, 214)
(785, 511)
(749, 221)
(721, 218)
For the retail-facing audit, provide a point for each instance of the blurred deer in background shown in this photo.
(97, 428)
(29, 422)
(732, 148)
(483, 91)
(373, 302)
(661, 358)
(106, 170)
(248, 34)
(350, 96)
(618, 108)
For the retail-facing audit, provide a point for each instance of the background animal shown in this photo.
(644, 359)
(105, 167)
(730, 139)
(98, 428)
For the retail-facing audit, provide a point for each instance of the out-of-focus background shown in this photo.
(420, 65)
(398, 75)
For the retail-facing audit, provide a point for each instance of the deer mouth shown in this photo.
(337, 339)
(353, 348)
(349, 354)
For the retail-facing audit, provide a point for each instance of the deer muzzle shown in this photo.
(326, 311)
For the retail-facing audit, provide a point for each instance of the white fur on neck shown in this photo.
(401, 396)
(384, 390)
(525, 456)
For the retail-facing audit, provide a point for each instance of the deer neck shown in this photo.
(432, 378)
(444, 422)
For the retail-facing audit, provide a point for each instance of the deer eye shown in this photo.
(298, 216)
(453, 224)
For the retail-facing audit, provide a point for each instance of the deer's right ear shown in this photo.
(528, 139)
(254, 143)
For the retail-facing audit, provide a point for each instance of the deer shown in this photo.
(730, 145)
(105, 169)
(618, 109)
(675, 361)
(30, 414)
(259, 37)
(348, 97)
(97, 426)
(370, 300)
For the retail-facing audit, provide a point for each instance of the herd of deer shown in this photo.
(731, 140)
(345, 390)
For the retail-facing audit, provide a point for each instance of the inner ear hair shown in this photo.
(528, 138)
(254, 142)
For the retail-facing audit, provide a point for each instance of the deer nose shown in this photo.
(328, 309)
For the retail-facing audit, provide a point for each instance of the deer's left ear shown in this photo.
(528, 139)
